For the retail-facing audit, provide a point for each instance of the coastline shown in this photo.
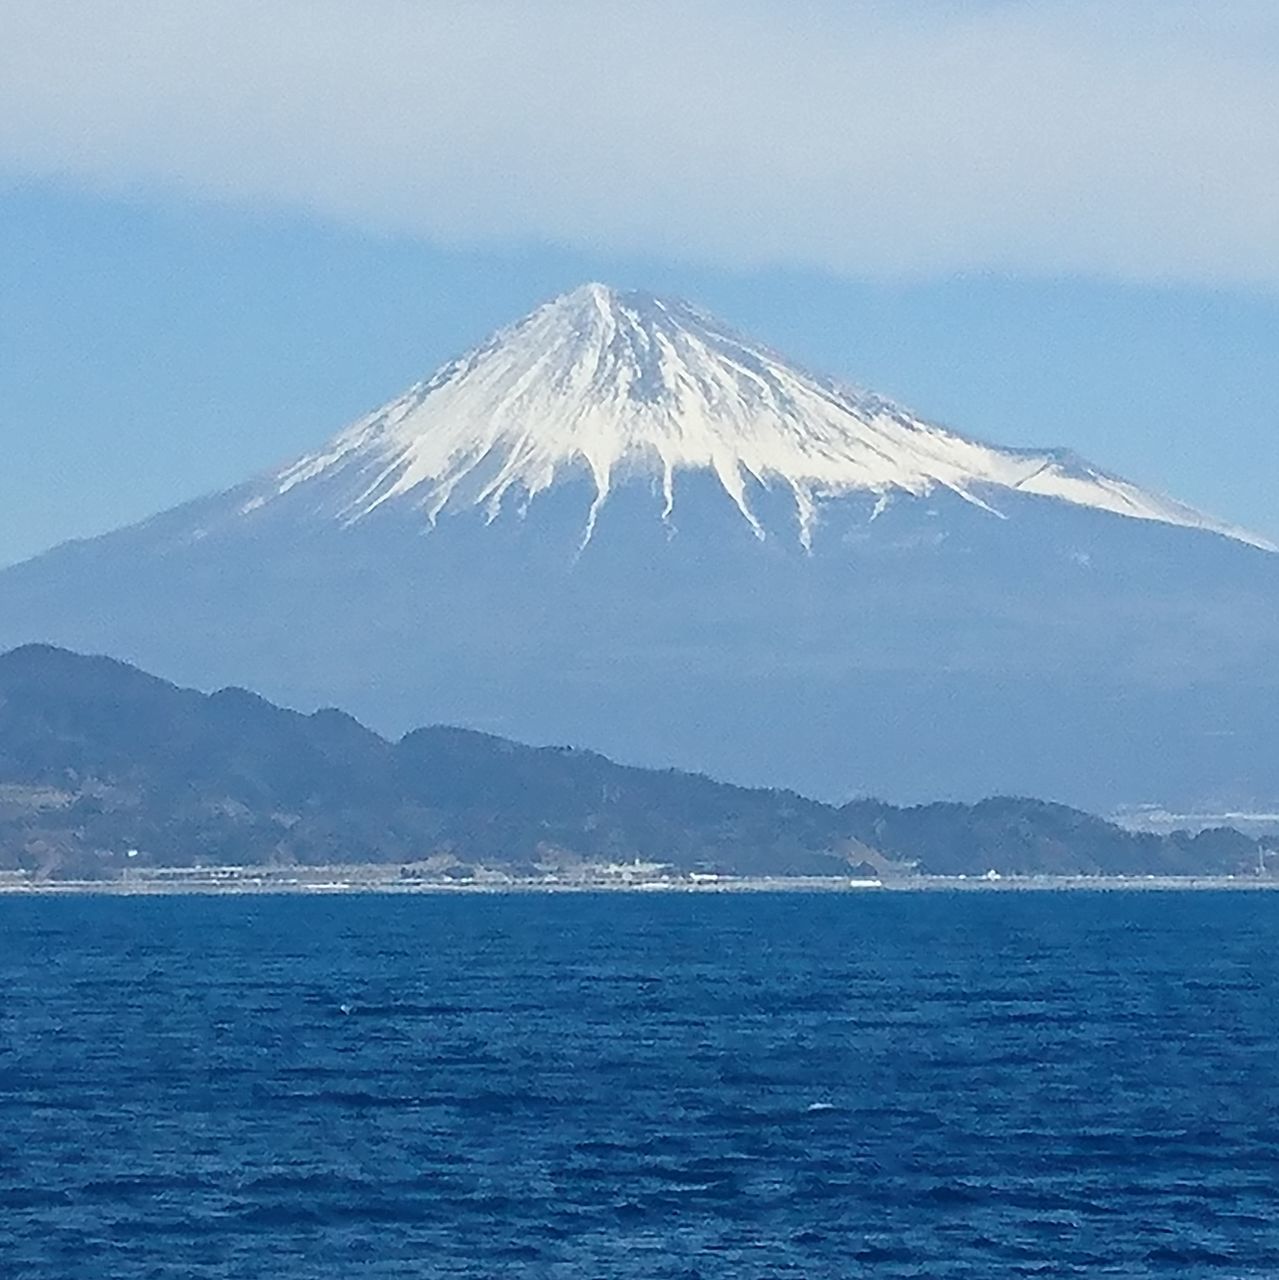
(259, 881)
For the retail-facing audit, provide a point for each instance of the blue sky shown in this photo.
(227, 229)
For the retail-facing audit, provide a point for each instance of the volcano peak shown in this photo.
(617, 384)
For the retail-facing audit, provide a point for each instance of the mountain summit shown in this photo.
(624, 384)
(619, 525)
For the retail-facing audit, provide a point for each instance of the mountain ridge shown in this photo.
(104, 767)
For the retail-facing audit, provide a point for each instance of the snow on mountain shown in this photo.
(619, 385)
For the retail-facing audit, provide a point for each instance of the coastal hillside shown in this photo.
(103, 767)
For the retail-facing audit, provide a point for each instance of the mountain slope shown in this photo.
(618, 525)
(97, 759)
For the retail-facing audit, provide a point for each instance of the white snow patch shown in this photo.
(603, 382)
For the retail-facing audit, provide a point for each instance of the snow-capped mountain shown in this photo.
(617, 524)
(620, 385)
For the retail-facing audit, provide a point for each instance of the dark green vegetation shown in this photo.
(98, 759)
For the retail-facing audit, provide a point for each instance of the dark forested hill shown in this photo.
(103, 766)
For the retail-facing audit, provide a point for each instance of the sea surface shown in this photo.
(611, 1085)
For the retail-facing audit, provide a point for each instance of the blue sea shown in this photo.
(612, 1085)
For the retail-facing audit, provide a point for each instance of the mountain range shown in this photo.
(620, 525)
(104, 768)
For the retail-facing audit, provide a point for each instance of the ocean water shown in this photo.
(924, 1085)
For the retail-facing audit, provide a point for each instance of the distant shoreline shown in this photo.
(250, 882)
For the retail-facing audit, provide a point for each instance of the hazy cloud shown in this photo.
(1138, 139)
